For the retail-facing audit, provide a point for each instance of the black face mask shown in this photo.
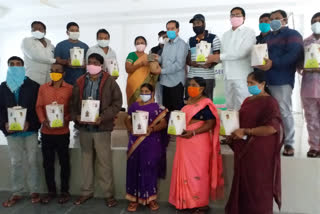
(199, 29)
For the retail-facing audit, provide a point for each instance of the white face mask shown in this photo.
(145, 97)
(315, 27)
(74, 35)
(161, 41)
(141, 47)
(103, 43)
(37, 34)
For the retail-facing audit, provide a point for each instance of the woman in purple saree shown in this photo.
(146, 157)
(257, 172)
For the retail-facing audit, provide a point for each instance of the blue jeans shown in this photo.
(18, 148)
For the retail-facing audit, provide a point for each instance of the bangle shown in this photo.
(194, 133)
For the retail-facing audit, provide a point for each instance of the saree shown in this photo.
(257, 172)
(197, 167)
(138, 77)
(146, 157)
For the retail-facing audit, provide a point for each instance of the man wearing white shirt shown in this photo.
(103, 48)
(236, 46)
(38, 54)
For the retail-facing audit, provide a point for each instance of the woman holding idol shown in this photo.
(146, 158)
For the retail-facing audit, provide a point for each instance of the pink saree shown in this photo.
(197, 168)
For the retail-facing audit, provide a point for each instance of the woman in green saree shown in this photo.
(138, 69)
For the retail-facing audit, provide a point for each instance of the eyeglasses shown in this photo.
(236, 15)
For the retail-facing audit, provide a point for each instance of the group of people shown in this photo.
(171, 76)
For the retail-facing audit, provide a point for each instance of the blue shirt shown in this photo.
(285, 50)
(63, 51)
(173, 62)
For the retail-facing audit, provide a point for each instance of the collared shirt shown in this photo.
(63, 51)
(46, 96)
(37, 59)
(285, 49)
(215, 46)
(236, 47)
(310, 86)
(173, 62)
(91, 87)
(97, 49)
(262, 39)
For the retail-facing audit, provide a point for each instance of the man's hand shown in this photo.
(265, 67)
(213, 58)
(7, 128)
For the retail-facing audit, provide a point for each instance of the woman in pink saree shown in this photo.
(257, 172)
(197, 167)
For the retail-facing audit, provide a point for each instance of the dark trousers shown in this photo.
(210, 85)
(173, 97)
(50, 145)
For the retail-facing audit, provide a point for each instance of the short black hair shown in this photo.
(315, 16)
(140, 37)
(239, 8)
(70, 24)
(15, 58)
(148, 86)
(162, 33)
(97, 57)
(265, 15)
(282, 12)
(40, 23)
(174, 21)
(102, 30)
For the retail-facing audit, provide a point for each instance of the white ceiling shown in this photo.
(15, 12)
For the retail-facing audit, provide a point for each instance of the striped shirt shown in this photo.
(215, 46)
(46, 96)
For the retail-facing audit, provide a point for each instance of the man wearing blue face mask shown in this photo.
(19, 90)
(264, 27)
(285, 48)
(173, 64)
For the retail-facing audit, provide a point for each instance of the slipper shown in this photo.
(82, 199)
(288, 151)
(12, 201)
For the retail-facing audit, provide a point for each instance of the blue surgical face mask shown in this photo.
(145, 97)
(15, 77)
(264, 27)
(276, 24)
(171, 34)
(254, 90)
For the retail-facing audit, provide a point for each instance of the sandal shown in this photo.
(313, 153)
(35, 198)
(82, 199)
(288, 151)
(111, 202)
(64, 198)
(154, 206)
(133, 206)
(48, 197)
(12, 201)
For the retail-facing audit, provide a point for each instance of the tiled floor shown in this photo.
(93, 206)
